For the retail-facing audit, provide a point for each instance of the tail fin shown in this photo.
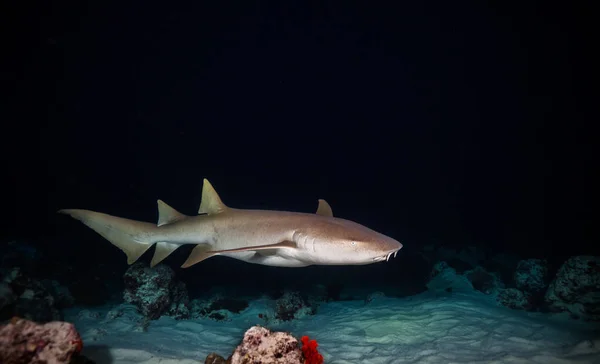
(132, 237)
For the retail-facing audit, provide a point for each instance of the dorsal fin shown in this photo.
(211, 202)
(167, 214)
(324, 209)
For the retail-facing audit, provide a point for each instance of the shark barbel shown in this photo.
(274, 238)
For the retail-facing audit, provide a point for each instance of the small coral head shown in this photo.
(309, 349)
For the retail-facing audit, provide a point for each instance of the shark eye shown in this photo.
(353, 243)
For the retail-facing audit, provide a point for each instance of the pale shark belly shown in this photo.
(270, 259)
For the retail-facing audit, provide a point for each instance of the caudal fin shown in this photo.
(132, 237)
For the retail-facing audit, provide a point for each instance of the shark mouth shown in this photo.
(386, 257)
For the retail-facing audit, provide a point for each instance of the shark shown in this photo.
(267, 237)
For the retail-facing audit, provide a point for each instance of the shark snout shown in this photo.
(390, 250)
(393, 246)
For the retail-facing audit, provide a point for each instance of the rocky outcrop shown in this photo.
(261, 345)
(531, 275)
(24, 341)
(155, 291)
(576, 288)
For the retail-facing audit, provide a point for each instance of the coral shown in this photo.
(260, 345)
(24, 341)
(310, 352)
(32, 300)
(155, 291)
(531, 275)
(576, 288)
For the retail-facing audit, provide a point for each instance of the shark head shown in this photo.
(336, 241)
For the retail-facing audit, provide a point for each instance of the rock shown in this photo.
(155, 291)
(445, 279)
(260, 345)
(7, 296)
(39, 301)
(218, 307)
(180, 303)
(576, 288)
(515, 299)
(61, 294)
(24, 341)
(374, 296)
(483, 281)
(33, 301)
(504, 264)
(291, 306)
(214, 358)
(531, 275)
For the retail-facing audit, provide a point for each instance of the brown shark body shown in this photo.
(275, 238)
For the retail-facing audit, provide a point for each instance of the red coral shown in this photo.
(309, 349)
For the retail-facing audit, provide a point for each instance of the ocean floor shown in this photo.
(427, 328)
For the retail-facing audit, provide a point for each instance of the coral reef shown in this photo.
(32, 299)
(24, 341)
(445, 278)
(21, 294)
(260, 345)
(575, 288)
(155, 291)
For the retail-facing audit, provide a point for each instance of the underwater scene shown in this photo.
(299, 182)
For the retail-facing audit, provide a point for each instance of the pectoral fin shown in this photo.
(204, 251)
(198, 254)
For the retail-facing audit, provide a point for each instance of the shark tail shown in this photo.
(131, 236)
